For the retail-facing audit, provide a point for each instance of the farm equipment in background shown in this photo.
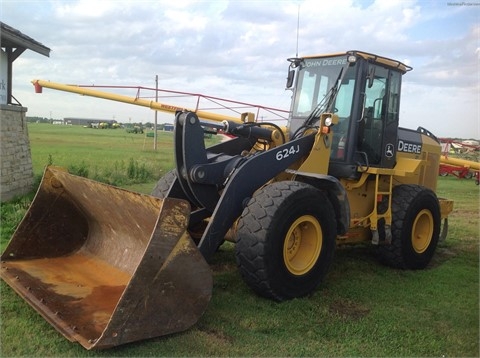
(341, 172)
(134, 128)
(460, 159)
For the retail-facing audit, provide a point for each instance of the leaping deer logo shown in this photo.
(389, 150)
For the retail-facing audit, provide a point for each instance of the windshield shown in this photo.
(316, 79)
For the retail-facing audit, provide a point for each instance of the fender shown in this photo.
(336, 194)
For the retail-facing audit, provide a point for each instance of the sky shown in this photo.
(238, 50)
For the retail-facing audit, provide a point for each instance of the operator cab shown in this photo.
(364, 91)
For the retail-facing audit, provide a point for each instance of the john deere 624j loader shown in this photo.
(106, 266)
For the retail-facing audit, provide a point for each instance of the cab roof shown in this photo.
(369, 56)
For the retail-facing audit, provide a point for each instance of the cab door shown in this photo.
(377, 134)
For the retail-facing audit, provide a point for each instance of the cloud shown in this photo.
(83, 9)
(238, 49)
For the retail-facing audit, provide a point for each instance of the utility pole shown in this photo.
(156, 112)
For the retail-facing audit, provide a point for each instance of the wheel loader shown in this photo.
(106, 266)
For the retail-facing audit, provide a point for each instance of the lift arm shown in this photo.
(219, 184)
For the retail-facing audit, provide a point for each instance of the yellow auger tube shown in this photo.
(460, 162)
(39, 84)
(106, 266)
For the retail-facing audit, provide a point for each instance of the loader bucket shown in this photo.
(106, 266)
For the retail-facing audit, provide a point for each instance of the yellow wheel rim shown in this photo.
(302, 245)
(422, 231)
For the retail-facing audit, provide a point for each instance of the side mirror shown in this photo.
(290, 77)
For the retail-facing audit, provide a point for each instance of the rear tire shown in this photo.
(286, 240)
(415, 228)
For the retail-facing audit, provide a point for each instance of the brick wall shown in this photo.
(16, 172)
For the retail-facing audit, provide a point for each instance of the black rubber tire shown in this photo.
(162, 187)
(261, 242)
(415, 228)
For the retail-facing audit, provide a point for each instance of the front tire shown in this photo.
(164, 187)
(415, 228)
(286, 240)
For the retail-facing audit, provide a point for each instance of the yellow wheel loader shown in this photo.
(341, 172)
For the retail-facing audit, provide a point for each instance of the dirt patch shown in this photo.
(223, 267)
(217, 336)
(348, 309)
(442, 254)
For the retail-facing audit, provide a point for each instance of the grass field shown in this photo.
(107, 155)
(362, 309)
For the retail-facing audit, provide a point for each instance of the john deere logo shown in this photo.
(407, 147)
(389, 150)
